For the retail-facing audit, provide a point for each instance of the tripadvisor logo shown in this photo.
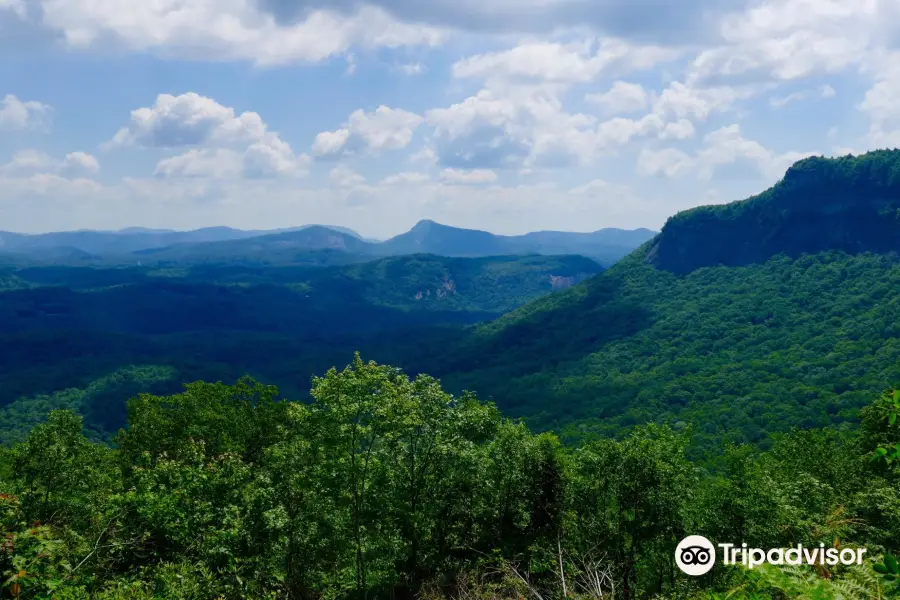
(696, 555)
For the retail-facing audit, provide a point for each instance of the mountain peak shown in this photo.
(849, 204)
(425, 225)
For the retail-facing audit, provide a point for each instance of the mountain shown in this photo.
(325, 245)
(433, 238)
(851, 204)
(132, 239)
(606, 245)
(314, 245)
(742, 320)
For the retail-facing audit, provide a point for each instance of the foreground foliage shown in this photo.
(389, 487)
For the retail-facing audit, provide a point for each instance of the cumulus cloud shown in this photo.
(559, 63)
(790, 39)
(80, 163)
(31, 162)
(680, 100)
(667, 161)
(223, 143)
(213, 163)
(16, 114)
(188, 120)
(266, 158)
(343, 176)
(622, 97)
(880, 105)
(724, 146)
(231, 29)
(384, 129)
(528, 127)
(272, 156)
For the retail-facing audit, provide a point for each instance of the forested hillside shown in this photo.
(388, 487)
(770, 325)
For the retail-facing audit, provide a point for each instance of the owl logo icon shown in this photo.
(695, 555)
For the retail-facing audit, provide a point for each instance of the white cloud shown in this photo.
(682, 129)
(16, 114)
(880, 104)
(622, 97)
(528, 126)
(47, 186)
(29, 161)
(25, 162)
(80, 162)
(496, 129)
(409, 178)
(225, 144)
(826, 91)
(384, 129)
(344, 176)
(558, 63)
(272, 156)
(188, 120)
(426, 155)
(267, 158)
(471, 176)
(823, 92)
(217, 163)
(790, 39)
(682, 101)
(412, 69)
(668, 161)
(230, 29)
(727, 146)
(724, 146)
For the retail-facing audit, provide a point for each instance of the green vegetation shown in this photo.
(388, 487)
(739, 352)
(479, 285)
(101, 401)
(67, 327)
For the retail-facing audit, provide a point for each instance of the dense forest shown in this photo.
(388, 487)
(63, 328)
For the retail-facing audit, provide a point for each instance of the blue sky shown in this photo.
(503, 115)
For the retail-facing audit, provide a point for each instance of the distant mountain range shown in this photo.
(606, 245)
(308, 245)
(133, 239)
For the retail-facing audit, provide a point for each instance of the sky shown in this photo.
(504, 115)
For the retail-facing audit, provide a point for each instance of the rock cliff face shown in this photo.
(561, 282)
(850, 204)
